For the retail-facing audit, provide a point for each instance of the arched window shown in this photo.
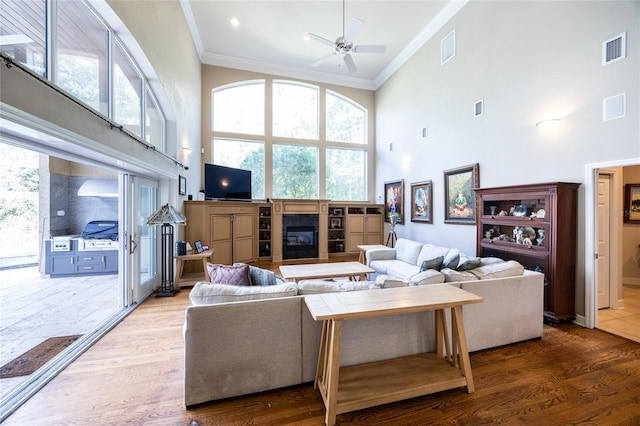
(286, 158)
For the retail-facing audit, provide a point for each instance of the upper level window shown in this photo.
(82, 59)
(127, 92)
(239, 108)
(346, 120)
(295, 171)
(22, 33)
(153, 120)
(247, 155)
(295, 110)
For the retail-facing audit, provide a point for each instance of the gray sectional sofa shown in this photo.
(245, 340)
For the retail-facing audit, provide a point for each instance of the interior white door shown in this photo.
(142, 240)
(604, 232)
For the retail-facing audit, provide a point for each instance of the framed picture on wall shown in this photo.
(632, 203)
(182, 185)
(422, 202)
(459, 194)
(394, 201)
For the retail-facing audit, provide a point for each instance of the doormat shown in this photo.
(36, 357)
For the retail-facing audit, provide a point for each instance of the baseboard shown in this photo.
(631, 280)
(580, 320)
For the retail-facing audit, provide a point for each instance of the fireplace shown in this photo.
(299, 236)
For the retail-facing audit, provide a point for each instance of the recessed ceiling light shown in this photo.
(235, 22)
(306, 38)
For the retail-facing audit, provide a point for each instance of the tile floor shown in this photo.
(623, 322)
(34, 307)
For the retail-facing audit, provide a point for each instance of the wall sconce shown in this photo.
(549, 124)
(186, 151)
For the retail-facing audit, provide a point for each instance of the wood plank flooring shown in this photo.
(134, 375)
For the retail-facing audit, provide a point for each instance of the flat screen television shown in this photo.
(226, 183)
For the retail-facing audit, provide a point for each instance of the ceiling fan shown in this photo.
(343, 46)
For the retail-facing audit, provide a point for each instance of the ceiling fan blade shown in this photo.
(322, 40)
(323, 59)
(354, 29)
(348, 61)
(369, 48)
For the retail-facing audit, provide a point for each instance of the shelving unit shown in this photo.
(536, 226)
(356, 224)
(336, 233)
(264, 232)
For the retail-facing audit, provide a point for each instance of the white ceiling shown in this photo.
(270, 35)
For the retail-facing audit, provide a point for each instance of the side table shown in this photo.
(205, 256)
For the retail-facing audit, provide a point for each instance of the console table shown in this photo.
(361, 386)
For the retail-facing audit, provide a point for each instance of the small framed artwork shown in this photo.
(422, 202)
(198, 247)
(336, 223)
(394, 201)
(632, 203)
(459, 194)
(182, 185)
(336, 212)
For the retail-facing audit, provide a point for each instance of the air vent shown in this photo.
(448, 47)
(478, 108)
(614, 49)
(614, 107)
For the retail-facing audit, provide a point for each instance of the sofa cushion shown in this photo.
(510, 268)
(451, 275)
(408, 251)
(435, 263)
(234, 275)
(325, 286)
(403, 270)
(429, 251)
(430, 276)
(465, 263)
(490, 260)
(260, 276)
(381, 266)
(387, 281)
(207, 293)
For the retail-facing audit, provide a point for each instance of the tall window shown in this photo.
(295, 110)
(22, 32)
(292, 155)
(82, 65)
(153, 120)
(239, 108)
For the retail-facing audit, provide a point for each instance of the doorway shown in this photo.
(611, 302)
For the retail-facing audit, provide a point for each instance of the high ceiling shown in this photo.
(270, 36)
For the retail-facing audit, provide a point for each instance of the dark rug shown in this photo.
(36, 357)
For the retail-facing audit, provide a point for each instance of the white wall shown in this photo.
(528, 61)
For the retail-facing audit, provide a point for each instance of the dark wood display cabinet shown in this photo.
(536, 226)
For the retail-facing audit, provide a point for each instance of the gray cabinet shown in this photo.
(75, 262)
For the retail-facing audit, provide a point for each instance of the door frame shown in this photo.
(592, 172)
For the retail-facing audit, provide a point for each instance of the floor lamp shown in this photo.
(167, 216)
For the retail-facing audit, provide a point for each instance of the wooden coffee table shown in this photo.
(353, 270)
(360, 386)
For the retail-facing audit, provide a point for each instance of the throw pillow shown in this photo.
(467, 263)
(435, 263)
(234, 275)
(260, 276)
(452, 259)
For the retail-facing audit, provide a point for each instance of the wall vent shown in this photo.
(614, 107)
(478, 108)
(448, 47)
(614, 49)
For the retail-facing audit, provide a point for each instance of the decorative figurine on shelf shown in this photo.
(540, 239)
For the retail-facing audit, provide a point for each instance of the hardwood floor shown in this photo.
(134, 375)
